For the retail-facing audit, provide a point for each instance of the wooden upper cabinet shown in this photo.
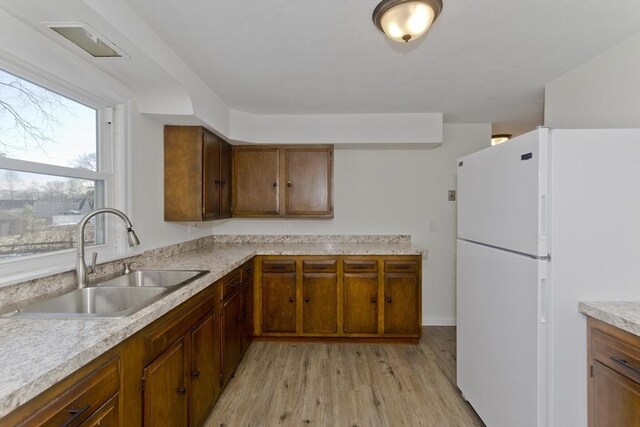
(289, 181)
(211, 182)
(197, 175)
(225, 180)
(308, 173)
(256, 181)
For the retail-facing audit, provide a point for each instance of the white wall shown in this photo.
(604, 92)
(147, 187)
(395, 192)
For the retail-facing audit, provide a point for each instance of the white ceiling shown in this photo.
(482, 61)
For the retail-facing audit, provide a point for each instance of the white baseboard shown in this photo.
(439, 321)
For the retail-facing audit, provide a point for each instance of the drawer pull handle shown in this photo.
(291, 299)
(624, 363)
(195, 373)
(373, 300)
(275, 184)
(75, 414)
(182, 389)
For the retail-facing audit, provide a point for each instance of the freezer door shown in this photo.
(502, 194)
(502, 301)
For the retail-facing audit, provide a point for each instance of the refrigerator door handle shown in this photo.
(543, 217)
(543, 301)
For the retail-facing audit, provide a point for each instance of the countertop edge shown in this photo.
(622, 315)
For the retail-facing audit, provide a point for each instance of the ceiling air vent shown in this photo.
(87, 39)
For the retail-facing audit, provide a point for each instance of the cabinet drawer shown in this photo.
(161, 337)
(83, 399)
(360, 265)
(106, 416)
(231, 283)
(400, 266)
(619, 355)
(247, 272)
(320, 266)
(279, 266)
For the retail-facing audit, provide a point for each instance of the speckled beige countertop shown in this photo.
(37, 353)
(624, 315)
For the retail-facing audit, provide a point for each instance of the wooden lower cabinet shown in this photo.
(401, 304)
(360, 309)
(278, 305)
(165, 388)
(232, 333)
(350, 297)
(320, 303)
(205, 369)
(614, 376)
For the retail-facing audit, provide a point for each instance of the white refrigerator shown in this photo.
(545, 220)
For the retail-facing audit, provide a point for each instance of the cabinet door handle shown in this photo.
(289, 184)
(373, 300)
(291, 299)
(624, 363)
(389, 299)
(223, 182)
(275, 184)
(306, 299)
(75, 414)
(182, 389)
(195, 373)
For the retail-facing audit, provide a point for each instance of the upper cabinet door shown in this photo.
(225, 179)
(256, 183)
(211, 175)
(308, 176)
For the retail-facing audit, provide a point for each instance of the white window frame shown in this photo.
(111, 150)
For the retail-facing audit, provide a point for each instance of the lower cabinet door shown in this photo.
(360, 303)
(616, 398)
(205, 369)
(247, 317)
(279, 303)
(320, 303)
(165, 398)
(232, 335)
(401, 305)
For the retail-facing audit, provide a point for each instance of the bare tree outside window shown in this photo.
(38, 211)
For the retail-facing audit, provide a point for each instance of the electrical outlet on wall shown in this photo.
(451, 195)
(191, 227)
(432, 227)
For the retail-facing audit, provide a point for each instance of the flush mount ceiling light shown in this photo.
(405, 20)
(499, 138)
(87, 39)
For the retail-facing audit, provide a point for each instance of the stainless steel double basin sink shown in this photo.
(118, 297)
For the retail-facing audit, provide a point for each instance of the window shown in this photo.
(53, 170)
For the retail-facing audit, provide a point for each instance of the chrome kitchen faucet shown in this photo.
(81, 267)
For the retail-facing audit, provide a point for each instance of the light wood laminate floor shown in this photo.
(341, 384)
